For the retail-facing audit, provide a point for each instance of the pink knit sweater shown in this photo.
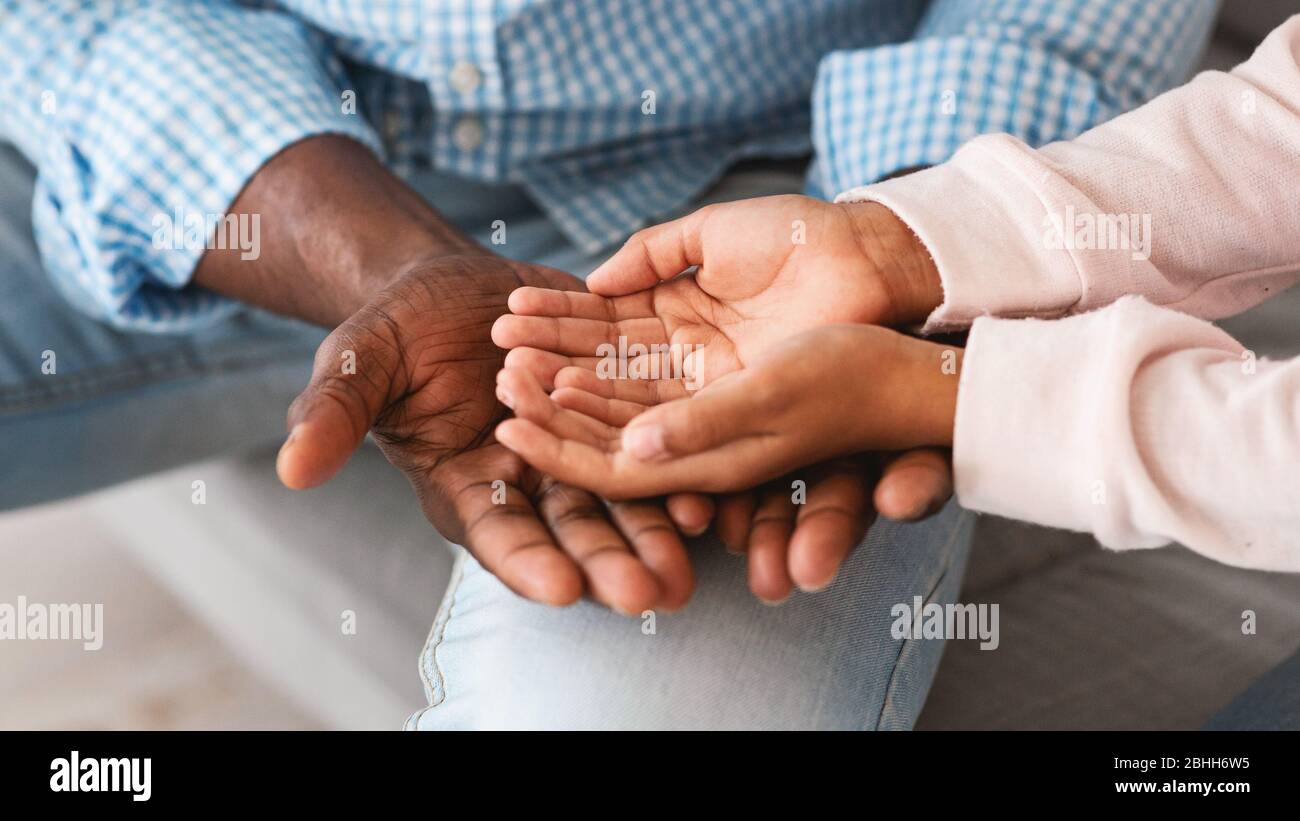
(1103, 412)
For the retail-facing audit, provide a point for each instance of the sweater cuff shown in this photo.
(988, 231)
(1026, 433)
(1057, 426)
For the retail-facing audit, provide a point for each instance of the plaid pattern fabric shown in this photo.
(611, 113)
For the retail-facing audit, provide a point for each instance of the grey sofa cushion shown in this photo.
(1092, 639)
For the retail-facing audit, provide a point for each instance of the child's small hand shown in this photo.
(788, 541)
(580, 427)
(767, 269)
(829, 392)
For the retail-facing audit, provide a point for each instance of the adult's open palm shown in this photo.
(417, 367)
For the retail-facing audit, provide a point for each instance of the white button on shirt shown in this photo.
(394, 125)
(468, 133)
(465, 77)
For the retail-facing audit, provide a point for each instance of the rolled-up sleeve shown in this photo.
(1041, 70)
(146, 119)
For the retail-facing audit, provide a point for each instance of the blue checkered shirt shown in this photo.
(610, 113)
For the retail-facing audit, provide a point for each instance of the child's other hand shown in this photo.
(788, 541)
(851, 387)
(832, 391)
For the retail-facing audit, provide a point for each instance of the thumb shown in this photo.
(331, 416)
(720, 414)
(650, 256)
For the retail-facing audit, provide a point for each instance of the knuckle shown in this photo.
(765, 393)
(567, 505)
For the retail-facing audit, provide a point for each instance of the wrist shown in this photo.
(902, 266)
(336, 227)
(362, 268)
(940, 411)
(912, 391)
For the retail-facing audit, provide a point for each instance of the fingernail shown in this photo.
(817, 588)
(284, 448)
(774, 602)
(288, 440)
(645, 442)
(504, 397)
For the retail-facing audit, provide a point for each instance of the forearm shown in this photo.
(1134, 206)
(1138, 424)
(124, 180)
(335, 227)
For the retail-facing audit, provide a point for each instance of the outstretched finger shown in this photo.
(530, 301)
(642, 391)
(769, 540)
(915, 484)
(831, 522)
(647, 527)
(572, 336)
(469, 502)
(519, 391)
(613, 412)
(615, 575)
(546, 365)
(615, 475)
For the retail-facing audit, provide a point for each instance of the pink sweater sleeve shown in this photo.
(1136, 423)
(1192, 201)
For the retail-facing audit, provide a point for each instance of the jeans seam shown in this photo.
(893, 674)
(429, 666)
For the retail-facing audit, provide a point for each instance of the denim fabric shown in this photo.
(819, 661)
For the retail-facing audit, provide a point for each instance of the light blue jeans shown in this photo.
(124, 405)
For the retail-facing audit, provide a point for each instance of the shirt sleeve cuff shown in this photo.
(128, 192)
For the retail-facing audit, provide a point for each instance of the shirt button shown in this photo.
(468, 133)
(465, 77)
(394, 125)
